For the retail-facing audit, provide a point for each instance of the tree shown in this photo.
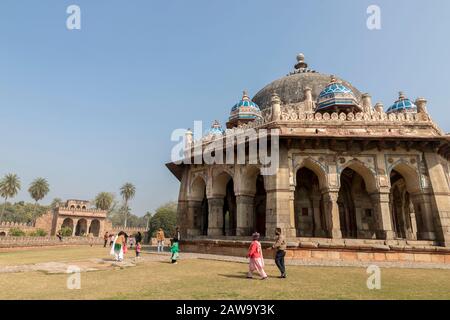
(9, 187)
(127, 192)
(165, 217)
(57, 202)
(38, 189)
(104, 201)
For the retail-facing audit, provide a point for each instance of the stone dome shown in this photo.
(291, 88)
(245, 109)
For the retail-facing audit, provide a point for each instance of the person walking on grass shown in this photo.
(280, 253)
(118, 246)
(138, 250)
(160, 240)
(105, 239)
(175, 250)
(255, 255)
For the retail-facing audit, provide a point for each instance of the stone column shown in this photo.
(192, 219)
(245, 215)
(215, 217)
(332, 214)
(424, 216)
(319, 230)
(440, 197)
(380, 202)
(75, 223)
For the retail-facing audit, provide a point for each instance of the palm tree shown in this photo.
(104, 200)
(9, 187)
(56, 203)
(127, 192)
(38, 189)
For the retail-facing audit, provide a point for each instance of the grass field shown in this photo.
(205, 279)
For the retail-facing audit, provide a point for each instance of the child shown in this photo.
(138, 250)
(256, 258)
(175, 251)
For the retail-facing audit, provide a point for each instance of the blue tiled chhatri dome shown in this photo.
(337, 97)
(244, 111)
(216, 129)
(403, 104)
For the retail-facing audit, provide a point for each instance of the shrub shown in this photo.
(66, 232)
(38, 233)
(16, 232)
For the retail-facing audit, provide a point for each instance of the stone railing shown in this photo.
(16, 242)
(296, 113)
(129, 229)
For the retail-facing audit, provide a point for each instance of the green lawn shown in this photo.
(204, 279)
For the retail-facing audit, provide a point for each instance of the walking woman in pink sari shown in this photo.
(256, 258)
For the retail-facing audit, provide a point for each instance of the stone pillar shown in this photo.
(192, 219)
(424, 216)
(75, 223)
(319, 230)
(332, 214)
(380, 202)
(245, 215)
(215, 217)
(440, 197)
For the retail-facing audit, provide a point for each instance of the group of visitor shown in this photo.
(256, 259)
(119, 244)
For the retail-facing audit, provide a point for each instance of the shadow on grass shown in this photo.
(241, 275)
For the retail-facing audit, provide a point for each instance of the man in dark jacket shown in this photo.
(280, 247)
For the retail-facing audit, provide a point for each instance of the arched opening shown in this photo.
(356, 211)
(78, 207)
(83, 207)
(2, 234)
(81, 228)
(229, 210)
(403, 212)
(68, 224)
(72, 207)
(308, 205)
(201, 212)
(260, 206)
(94, 228)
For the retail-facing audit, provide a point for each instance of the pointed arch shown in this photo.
(315, 167)
(365, 172)
(409, 173)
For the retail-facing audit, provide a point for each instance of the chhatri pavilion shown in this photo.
(348, 170)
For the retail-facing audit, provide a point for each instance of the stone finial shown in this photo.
(401, 95)
(188, 142)
(367, 103)
(333, 79)
(309, 103)
(301, 64)
(379, 107)
(421, 104)
(245, 96)
(275, 103)
(308, 94)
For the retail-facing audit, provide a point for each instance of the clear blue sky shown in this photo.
(92, 109)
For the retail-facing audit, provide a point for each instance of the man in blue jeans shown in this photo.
(280, 247)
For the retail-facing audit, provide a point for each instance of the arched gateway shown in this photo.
(345, 169)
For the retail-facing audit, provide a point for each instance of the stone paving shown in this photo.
(151, 256)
